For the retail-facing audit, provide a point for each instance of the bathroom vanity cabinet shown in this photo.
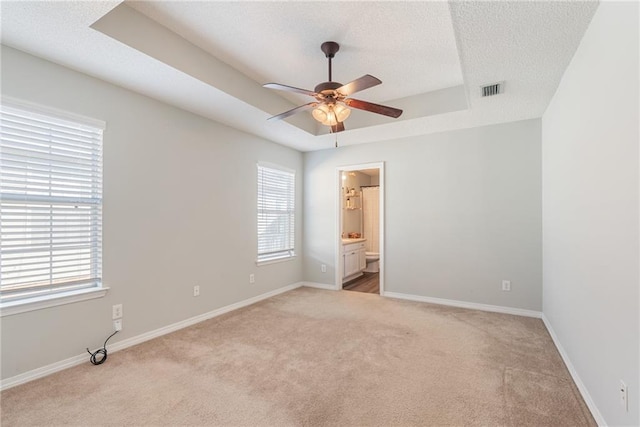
(354, 258)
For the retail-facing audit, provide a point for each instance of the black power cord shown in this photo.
(102, 353)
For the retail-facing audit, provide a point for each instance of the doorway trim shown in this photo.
(338, 221)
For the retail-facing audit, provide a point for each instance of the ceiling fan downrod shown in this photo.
(330, 49)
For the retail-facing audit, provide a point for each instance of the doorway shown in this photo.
(360, 228)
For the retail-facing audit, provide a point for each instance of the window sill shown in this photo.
(275, 261)
(16, 307)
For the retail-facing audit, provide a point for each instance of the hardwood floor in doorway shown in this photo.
(369, 283)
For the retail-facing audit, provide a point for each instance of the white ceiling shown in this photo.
(211, 58)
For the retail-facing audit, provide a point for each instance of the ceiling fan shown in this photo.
(331, 105)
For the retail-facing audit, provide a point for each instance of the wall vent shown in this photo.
(492, 89)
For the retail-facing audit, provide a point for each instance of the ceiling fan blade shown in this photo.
(278, 86)
(294, 111)
(364, 82)
(374, 108)
(339, 127)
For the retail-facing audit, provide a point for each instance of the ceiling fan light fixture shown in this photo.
(321, 113)
(331, 114)
(341, 112)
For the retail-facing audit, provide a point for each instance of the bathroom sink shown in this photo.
(347, 241)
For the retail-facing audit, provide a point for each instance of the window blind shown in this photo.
(50, 204)
(276, 213)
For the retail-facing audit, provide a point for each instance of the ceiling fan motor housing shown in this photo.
(327, 86)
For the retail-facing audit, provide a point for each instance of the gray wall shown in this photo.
(590, 216)
(179, 210)
(462, 212)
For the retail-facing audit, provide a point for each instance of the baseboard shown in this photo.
(574, 374)
(319, 286)
(121, 345)
(465, 304)
(43, 371)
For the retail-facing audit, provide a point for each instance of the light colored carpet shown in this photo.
(313, 357)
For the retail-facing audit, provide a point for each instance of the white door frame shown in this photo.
(338, 235)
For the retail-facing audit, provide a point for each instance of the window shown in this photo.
(50, 205)
(276, 213)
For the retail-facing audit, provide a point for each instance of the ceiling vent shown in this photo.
(492, 89)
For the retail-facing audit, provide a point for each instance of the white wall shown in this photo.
(463, 212)
(590, 211)
(179, 210)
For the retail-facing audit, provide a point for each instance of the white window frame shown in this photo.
(285, 212)
(9, 195)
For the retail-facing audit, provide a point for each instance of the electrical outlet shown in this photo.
(252, 278)
(117, 325)
(116, 311)
(624, 396)
(506, 285)
(196, 291)
(323, 268)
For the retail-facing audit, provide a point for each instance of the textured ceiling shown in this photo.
(211, 58)
(280, 41)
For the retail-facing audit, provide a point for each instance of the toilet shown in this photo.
(373, 262)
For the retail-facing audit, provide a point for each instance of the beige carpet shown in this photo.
(313, 357)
